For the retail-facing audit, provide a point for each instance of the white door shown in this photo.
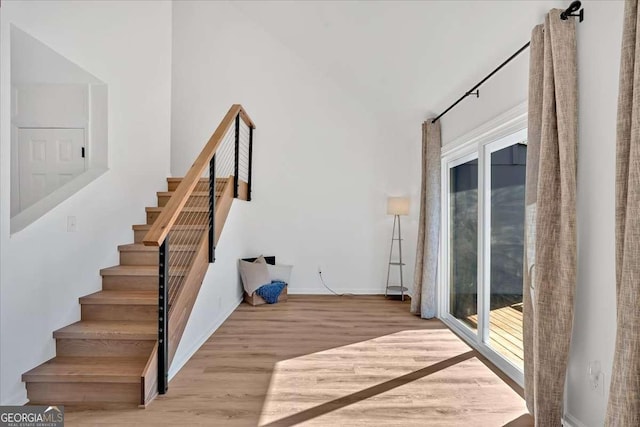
(48, 159)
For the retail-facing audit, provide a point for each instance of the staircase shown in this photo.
(112, 356)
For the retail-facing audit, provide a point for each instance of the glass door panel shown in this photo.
(507, 209)
(463, 243)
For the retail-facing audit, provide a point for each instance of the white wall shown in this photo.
(599, 38)
(44, 269)
(33, 62)
(322, 164)
(221, 291)
(595, 318)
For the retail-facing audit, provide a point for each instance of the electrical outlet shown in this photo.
(72, 225)
(596, 378)
(597, 384)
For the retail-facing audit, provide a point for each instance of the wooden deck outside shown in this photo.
(505, 332)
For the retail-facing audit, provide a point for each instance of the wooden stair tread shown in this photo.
(139, 247)
(123, 297)
(142, 227)
(109, 329)
(184, 209)
(179, 179)
(88, 369)
(139, 270)
(195, 193)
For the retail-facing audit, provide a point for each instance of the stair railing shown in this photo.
(187, 221)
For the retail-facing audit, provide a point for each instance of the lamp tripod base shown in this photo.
(399, 263)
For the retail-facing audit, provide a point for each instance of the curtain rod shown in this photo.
(570, 11)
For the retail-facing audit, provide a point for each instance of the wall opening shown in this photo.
(58, 128)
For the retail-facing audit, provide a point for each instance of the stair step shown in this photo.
(121, 298)
(88, 369)
(197, 198)
(85, 395)
(177, 227)
(138, 270)
(188, 215)
(139, 254)
(105, 348)
(139, 247)
(110, 305)
(111, 330)
(202, 185)
(136, 313)
(194, 194)
(193, 209)
(179, 179)
(131, 305)
(188, 234)
(135, 277)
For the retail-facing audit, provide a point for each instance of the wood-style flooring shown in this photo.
(329, 361)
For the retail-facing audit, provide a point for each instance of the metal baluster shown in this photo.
(250, 161)
(212, 208)
(163, 315)
(236, 181)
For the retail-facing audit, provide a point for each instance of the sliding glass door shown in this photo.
(483, 244)
(504, 222)
(463, 242)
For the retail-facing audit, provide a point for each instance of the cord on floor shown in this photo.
(331, 290)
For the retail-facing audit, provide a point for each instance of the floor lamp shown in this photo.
(396, 206)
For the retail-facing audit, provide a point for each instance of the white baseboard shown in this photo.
(18, 399)
(570, 421)
(324, 291)
(178, 364)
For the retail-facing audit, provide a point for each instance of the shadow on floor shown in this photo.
(368, 393)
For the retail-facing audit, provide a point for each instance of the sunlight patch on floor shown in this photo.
(372, 383)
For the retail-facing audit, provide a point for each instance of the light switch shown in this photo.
(72, 225)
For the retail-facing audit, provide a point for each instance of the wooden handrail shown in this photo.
(162, 225)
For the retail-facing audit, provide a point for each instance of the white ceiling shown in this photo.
(401, 57)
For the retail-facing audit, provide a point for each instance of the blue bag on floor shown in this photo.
(271, 291)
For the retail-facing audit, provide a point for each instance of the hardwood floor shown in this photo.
(330, 361)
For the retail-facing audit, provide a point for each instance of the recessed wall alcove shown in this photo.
(58, 128)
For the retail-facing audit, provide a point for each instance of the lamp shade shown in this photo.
(398, 205)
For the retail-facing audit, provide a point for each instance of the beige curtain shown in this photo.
(624, 394)
(550, 256)
(423, 301)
